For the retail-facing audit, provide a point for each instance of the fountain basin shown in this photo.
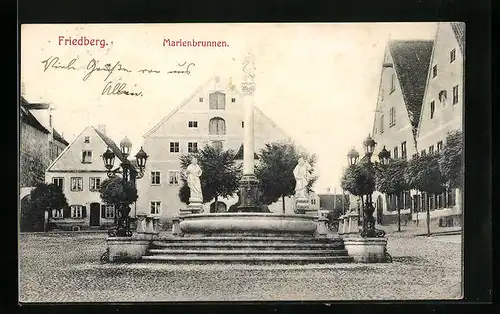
(252, 224)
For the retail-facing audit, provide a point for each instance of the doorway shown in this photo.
(95, 209)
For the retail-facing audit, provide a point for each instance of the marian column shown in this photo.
(249, 185)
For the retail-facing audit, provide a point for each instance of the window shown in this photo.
(57, 213)
(396, 152)
(155, 177)
(59, 182)
(87, 139)
(423, 153)
(443, 96)
(217, 100)
(76, 211)
(313, 202)
(174, 147)
(433, 107)
(450, 198)
(173, 177)
(393, 82)
(381, 124)
(155, 207)
(431, 149)
(453, 53)
(455, 94)
(200, 99)
(192, 147)
(440, 200)
(242, 124)
(440, 146)
(76, 184)
(392, 116)
(434, 71)
(87, 156)
(193, 124)
(407, 200)
(217, 126)
(95, 184)
(233, 99)
(109, 211)
(217, 144)
(417, 204)
(403, 150)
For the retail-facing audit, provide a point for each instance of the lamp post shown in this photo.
(129, 174)
(368, 230)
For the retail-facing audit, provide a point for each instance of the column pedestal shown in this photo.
(249, 194)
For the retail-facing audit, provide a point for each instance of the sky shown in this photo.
(318, 82)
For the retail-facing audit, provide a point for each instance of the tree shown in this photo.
(357, 179)
(423, 174)
(115, 191)
(220, 176)
(451, 160)
(275, 171)
(44, 197)
(390, 179)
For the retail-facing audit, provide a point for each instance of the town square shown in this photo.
(299, 162)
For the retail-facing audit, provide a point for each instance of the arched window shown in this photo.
(217, 126)
(217, 100)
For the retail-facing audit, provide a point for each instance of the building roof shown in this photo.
(111, 144)
(459, 31)
(28, 118)
(59, 138)
(239, 154)
(411, 60)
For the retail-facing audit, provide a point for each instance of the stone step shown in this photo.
(273, 259)
(248, 245)
(248, 252)
(248, 239)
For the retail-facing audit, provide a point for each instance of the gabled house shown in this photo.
(79, 171)
(212, 115)
(442, 112)
(39, 143)
(397, 115)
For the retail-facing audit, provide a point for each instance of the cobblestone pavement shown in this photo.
(66, 268)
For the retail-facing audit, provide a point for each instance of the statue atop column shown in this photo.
(248, 81)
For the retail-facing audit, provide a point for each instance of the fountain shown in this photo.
(249, 233)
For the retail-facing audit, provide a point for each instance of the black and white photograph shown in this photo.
(241, 162)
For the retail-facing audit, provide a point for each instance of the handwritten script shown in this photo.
(93, 67)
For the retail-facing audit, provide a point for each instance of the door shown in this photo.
(95, 209)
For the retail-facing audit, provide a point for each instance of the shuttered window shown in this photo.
(217, 126)
(217, 100)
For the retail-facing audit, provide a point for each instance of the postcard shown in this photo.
(240, 162)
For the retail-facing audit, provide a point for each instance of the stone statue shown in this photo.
(249, 68)
(301, 173)
(193, 173)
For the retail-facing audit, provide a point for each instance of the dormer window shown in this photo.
(393, 82)
(453, 53)
(434, 71)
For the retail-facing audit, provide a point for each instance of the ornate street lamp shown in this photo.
(369, 144)
(384, 156)
(352, 157)
(125, 146)
(129, 174)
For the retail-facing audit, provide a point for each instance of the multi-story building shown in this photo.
(442, 112)
(402, 87)
(420, 101)
(79, 171)
(39, 143)
(211, 115)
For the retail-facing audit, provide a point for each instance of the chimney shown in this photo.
(102, 128)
